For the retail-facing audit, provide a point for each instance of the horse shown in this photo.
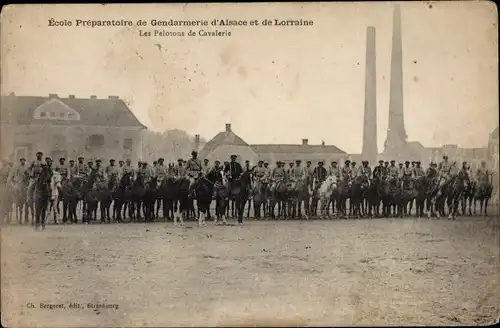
(371, 202)
(41, 196)
(149, 199)
(483, 194)
(259, 193)
(112, 194)
(358, 188)
(123, 198)
(436, 196)
(240, 190)
(468, 197)
(90, 198)
(204, 194)
(278, 197)
(184, 199)
(324, 193)
(70, 197)
(20, 194)
(167, 192)
(221, 192)
(407, 194)
(421, 187)
(137, 196)
(457, 186)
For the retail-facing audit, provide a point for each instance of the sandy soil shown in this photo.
(346, 272)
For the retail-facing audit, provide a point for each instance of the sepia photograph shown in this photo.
(249, 164)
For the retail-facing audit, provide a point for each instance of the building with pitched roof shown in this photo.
(226, 143)
(69, 127)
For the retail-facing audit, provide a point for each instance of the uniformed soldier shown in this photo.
(206, 166)
(160, 170)
(378, 171)
(334, 170)
(319, 174)
(277, 176)
(112, 171)
(233, 169)
(247, 166)
(297, 173)
(418, 171)
(147, 172)
(354, 171)
(365, 169)
(400, 170)
(81, 167)
(17, 174)
(432, 171)
(100, 172)
(63, 168)
(408, 171)
(36, 167)
(193, 170)
(180, 169)
(128, 169)
(90, 167)
(444, 165)
(5, 172)
(393, 170)
(483, 174)
(346, 171)
(72, 169)
(386, 168)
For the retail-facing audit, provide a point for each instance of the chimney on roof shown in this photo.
(71, 96)
(305, 142)
(113, 97)
(322, 142)
(196, 142)
(12, 94)
(52, 95)
(228, 127)
(93, 97)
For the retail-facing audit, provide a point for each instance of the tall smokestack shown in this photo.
(370, 151)
(396, 133)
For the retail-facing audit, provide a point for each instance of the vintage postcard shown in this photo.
(249, 164)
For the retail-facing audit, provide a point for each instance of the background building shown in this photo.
(68, 127)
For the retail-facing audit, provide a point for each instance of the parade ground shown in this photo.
(268, 273)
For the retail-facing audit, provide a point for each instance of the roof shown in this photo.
(297, 149)
(494, 134)
(227, 138)
(111, 111)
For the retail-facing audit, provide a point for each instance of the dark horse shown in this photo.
(204, 194)
(239, 190)
(41, 196)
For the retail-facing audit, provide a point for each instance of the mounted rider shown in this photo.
(278, 176)
(320, 174)
(128, 170)
(393, 172)
(206, 166)
(160, 170)
(379, 171)
(100, 173)
(17, 174)
(418, 171)
(354, 171)
(261, 175)
(483, 174)
(112, 171)
(233, 171)
(81, 168)
(334, 170)
(35, 170)
(296, 175)
(63, 168)
(346, 172)
(193, 171)
(365, 169)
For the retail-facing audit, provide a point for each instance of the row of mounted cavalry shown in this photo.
(122, 199)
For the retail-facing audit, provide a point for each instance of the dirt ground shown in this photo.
(345, 272)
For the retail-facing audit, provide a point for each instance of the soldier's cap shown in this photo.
(348, 162)
(334, 162)
(128, 160)
(367, 162)
(408, 162)
(413, 162)
(194, 152)
(266, 162)
(71, 160)
(180, 160)
(161, 159)
(445, 157)
(112, 160)
(247, 161)
(386, 162)
(320, 162)
(483, 162)
(98, 161)
(80, 157)
(233, 156)
(62, 159)
(206, 160)
(121, 161)
(393, 161)
(380, 161)
(464, 163)
(417, 162)
(353, 163)
(298, 161)
(400, 164)
(39, 153)
(260, 162)
(22, 159)
(48, 158)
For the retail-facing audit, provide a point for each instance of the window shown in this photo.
(71, 115)
(127, 144)
(96, 140)
(62, 115)
(52, 114)
(43, 114)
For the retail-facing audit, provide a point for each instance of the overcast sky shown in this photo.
(273, 84)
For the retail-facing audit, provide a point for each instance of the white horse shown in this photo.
(325, 193)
